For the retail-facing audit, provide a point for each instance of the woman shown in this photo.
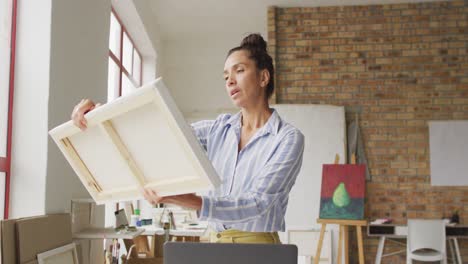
(256, 154)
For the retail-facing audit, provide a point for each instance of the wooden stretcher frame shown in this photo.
(104, 123)
(52, 256)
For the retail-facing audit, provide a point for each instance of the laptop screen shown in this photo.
(216, 253)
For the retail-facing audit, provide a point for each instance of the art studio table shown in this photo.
(391, 231)
(189, 234)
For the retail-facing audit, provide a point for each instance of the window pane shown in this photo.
(114, 37)
(137, 67)
(2, 194)
(127, 85)
(127, 53)
(3, 119)
(112, 81)
(5, 35)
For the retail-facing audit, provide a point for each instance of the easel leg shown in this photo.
(343, 238)
(360, 246)
(319, 247)
(340, 244)
(346, 244)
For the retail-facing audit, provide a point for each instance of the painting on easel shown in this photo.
(343, 191)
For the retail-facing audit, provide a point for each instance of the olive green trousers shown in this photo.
(242, 237)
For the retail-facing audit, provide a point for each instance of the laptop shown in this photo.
(219, 253)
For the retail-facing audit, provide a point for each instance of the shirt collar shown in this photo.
(272, 126)
(234, 120)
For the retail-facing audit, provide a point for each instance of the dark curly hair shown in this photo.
(257, 49)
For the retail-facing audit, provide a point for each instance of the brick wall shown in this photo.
(397, 66)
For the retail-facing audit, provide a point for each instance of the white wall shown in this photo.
(78, 69)
(196, 38)
(29, 140)
(193, 71)
(152, 59)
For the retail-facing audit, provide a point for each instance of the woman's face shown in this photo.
(244, 84)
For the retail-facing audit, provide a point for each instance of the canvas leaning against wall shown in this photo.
(343, 191)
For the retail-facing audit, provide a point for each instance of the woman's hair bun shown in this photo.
(255, 41)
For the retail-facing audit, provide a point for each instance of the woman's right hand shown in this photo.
(80, 110)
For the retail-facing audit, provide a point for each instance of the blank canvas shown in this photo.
(137, 141)
(325, 136)
(448, 143)
(306, 240)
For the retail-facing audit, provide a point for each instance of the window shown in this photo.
(7, 50)
(125, 62)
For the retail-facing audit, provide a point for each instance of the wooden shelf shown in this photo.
(152, 230)
(102, 233)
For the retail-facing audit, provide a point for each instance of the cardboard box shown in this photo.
(39, 234)
(7, 241)
(22, 239)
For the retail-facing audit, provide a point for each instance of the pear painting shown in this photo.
(341, 196)
(342, 193)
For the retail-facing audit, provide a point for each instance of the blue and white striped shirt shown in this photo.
(256, 181)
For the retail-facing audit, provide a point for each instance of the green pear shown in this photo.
(341, 196)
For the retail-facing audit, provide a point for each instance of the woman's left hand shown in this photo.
(185, 200)
(152, 197)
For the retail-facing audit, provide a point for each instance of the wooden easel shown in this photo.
(343, 235)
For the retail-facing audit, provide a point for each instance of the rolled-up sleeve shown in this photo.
(275, 181)
(201, 129)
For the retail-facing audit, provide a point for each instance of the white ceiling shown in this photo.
(182, 19)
